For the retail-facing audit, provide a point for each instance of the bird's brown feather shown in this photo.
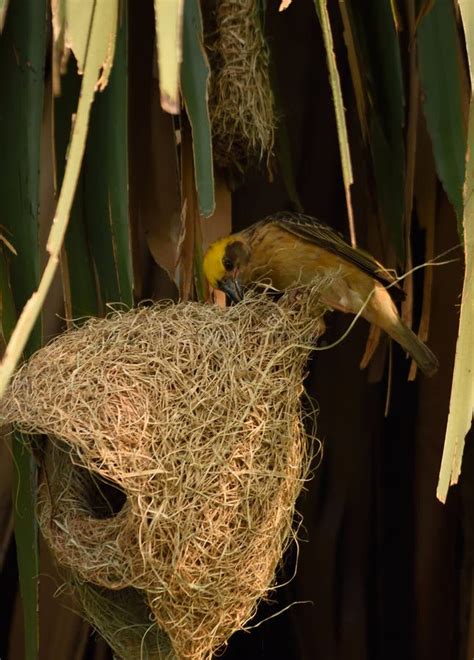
(309, 229)
(289, 250)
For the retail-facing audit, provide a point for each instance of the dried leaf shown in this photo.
(160, 202)
(284, 4)
(72, 23)
(373, 341)
(396, 15)
(169, 35)
(3, 13)
(461, 405)
(219, 224)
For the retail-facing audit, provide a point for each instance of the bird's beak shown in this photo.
(231, 286)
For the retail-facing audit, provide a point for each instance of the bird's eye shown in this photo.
(228, 264)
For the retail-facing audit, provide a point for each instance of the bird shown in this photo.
(293, 250)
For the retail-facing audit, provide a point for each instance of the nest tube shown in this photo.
(192, 415)
(123, 618)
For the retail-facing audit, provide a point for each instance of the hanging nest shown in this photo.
(177, 453)
(124, 621)
(90, 511)
(241, 102)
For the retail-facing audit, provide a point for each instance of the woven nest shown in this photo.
(241, 102)
(77, 513)
(124, 620)
(178, 453)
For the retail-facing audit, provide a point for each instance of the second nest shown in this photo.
(194, 413)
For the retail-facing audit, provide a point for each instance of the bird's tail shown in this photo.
(425, 359)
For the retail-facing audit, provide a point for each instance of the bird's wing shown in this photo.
(310, 229)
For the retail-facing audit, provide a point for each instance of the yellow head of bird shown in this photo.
(213, 265)
(224, 263)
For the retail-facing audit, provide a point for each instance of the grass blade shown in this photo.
(194, 83)
(461, 406)
(322, 10)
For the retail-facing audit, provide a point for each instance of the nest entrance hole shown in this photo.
(104, 498)
(100, 498)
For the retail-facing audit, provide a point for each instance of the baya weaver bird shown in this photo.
(289, 250)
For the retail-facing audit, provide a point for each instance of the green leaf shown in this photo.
(26, 537)
(97, 240)
(377, 43)
(23, 491)
(101, 46)
(194, 82)
(388, 159)
(353, 57)
(7, 304)
(22, 58)
(106, 183)
(439, 58)
(80, 291)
